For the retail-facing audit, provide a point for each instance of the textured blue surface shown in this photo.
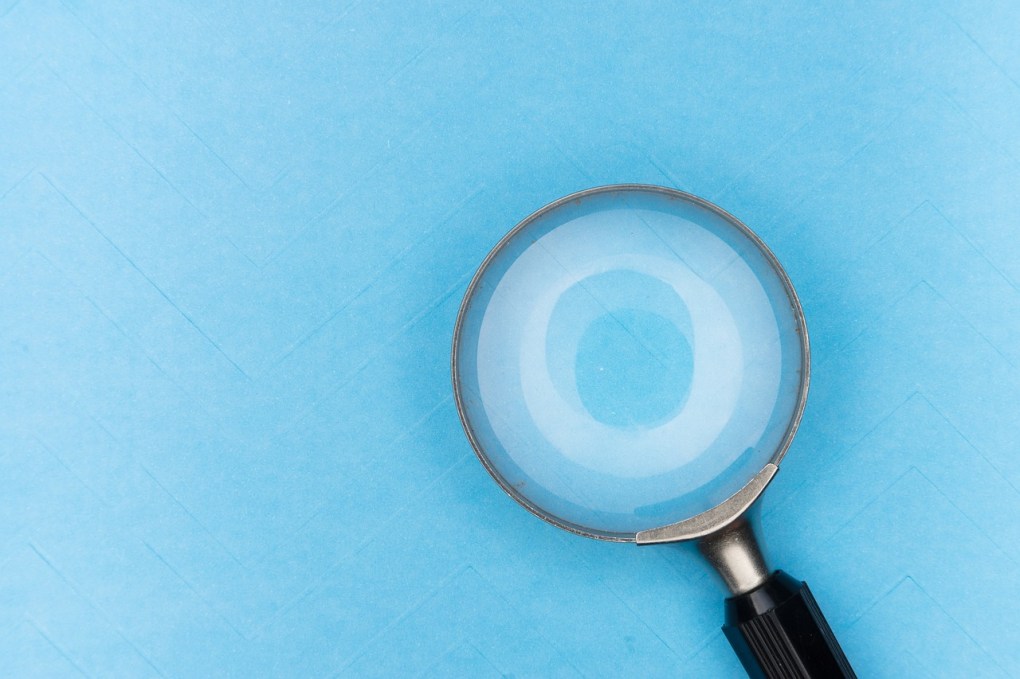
(232, 243)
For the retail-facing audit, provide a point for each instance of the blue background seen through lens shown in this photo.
(629, 359)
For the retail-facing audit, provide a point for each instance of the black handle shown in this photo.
(779, 632)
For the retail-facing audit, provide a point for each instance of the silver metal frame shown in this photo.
(715, 528)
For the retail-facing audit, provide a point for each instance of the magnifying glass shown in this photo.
(630, 363)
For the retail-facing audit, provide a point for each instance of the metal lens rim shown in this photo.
(795, 305)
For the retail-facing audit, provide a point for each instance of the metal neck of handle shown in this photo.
(736, 555)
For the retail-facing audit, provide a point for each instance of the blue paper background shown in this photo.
(233, 239)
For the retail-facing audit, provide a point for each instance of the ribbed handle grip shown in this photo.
(779, 632)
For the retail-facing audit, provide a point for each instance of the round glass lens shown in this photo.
(628, 358)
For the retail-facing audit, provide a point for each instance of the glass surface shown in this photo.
(627, 360)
